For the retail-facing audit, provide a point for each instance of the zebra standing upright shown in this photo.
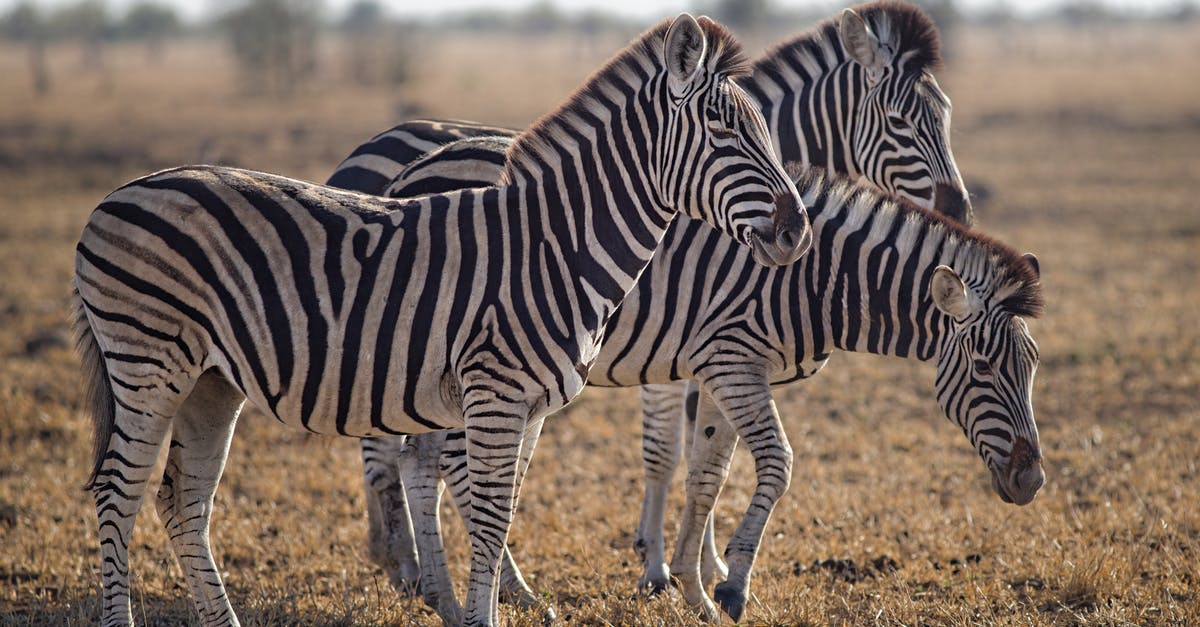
(198, 288)
(883, 277)
(855, 95)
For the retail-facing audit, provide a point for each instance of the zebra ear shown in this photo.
(1033, 263)
(949, 293)
(684, 48)
(858, 40)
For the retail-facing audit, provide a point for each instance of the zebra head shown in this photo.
(715, 161)
(901, 130)
(985, 369)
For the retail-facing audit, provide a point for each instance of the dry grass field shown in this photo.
(1082, 146)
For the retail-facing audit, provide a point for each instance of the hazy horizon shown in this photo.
(635, 9)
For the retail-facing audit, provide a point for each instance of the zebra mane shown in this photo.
(636, 64)
(904, 27)
(1010, 282)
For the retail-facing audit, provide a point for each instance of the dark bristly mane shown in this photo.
(731, 59)
(723, 53)
(1013, 276)
(909, 30)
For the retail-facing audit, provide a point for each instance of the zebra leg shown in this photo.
(200, 439)
(130, 453)
(390, 539)
(704, 483)
(662, 439)
(495, 429)
(513, 588)
(419, 474)
(712, 567)
(749, 407)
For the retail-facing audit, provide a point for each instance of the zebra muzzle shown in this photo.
(1023, 476)
(789, 237)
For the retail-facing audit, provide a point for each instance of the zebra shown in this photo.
(197, 288)
(883, 277)
(855, 95)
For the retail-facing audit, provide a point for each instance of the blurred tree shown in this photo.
(742, 14)
(150, 22)
(363, 16)
(274, 42)
(1079, 13)
(379, 49)
(24, 24)
(540, 17)
(88, 23)
(1182, 12)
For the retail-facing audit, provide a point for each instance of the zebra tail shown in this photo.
(98, 396)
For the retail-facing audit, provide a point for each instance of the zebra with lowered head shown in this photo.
(883, 277)
(856, 95)
(198, 288)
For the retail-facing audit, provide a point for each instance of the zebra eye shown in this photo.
(898, 122)
(983, 367)
(718, 129)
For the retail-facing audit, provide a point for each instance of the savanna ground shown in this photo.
(1083, 146)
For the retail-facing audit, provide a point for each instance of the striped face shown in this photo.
(985, 371)
(901, 132)
(716, 162)
(903, 143)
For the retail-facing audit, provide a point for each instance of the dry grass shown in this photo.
(1088, 158)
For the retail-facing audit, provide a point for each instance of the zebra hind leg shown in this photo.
(390, 539)
(707, 468)
(662, 440)
(203, 428)
(422, 483)
(117, 488)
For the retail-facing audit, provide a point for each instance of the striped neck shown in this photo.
(798, 86)
(586, 173)
(870, 290)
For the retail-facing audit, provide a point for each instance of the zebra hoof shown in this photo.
(407, 587)
(731, 600)
(651, 588)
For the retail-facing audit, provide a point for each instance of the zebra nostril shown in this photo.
(953, 203)
(791, 222)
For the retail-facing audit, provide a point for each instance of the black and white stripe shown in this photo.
(882, 278)
(856, 95)
(200, 287)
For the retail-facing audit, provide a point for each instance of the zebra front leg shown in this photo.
(662, 443)
(420, 475)
(390, 539)
(714, 441)
(750, 408)
(513, 588)
(495, 428)
(200, 439)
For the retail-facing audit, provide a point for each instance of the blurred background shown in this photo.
(289, 85)
(1076, 127)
